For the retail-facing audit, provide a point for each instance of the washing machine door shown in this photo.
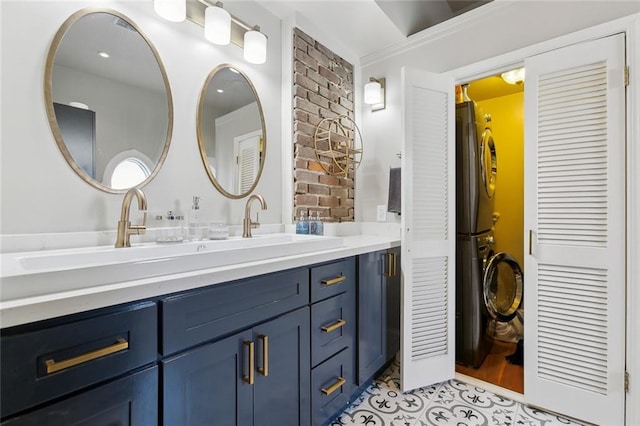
(503, 287)
(488, 162)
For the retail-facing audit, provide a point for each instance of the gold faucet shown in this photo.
(247, 223)
(125, 228)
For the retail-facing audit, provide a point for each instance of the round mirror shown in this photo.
(108, 100)
(231, 131)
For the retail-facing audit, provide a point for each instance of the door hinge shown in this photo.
(626, 75)
(626, 382)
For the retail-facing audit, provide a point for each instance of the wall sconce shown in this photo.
(374, 93)
(171, 10)
(220, 27)
(514, 76)
(217, 25)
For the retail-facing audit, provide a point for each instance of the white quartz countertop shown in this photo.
(25, 299)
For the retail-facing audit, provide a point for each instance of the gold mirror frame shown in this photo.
(48, 95)
(201, 141)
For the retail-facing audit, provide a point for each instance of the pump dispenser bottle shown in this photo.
(195, 233)
(302, 226)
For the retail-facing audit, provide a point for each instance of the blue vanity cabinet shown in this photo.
(132, 400)
(282, 371)
(238, 352)
(378, 311)
(92, 356)
(197, 316)
(204, 386)
(333, 327)
(257, 377)
(394, 294)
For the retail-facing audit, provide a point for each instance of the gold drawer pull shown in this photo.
(337, 385)
(264, 370)
(252, 362)
(54, 366)
(335, 280)
(337, 324)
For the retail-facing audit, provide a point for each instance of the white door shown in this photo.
(574, 208)
(247, 154)
(428, 229)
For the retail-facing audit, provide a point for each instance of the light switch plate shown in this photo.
(381, 215)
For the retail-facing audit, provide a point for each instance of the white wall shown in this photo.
(39, 191)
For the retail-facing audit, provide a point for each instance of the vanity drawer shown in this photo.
(331, 386)
(132, 400)
(44, 364)
(332, 278)
(332, 326)
(203, 315)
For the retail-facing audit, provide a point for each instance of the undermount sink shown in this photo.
(182, 256)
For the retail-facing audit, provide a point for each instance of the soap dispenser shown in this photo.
(194, 220)
(302, 226)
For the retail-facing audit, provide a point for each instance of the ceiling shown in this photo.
(492, 87)
(367, 30)
(413, 16)
(371, 25)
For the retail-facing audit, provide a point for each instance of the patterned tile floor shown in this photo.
(448, 403)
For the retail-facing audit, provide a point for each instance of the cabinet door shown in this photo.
(372, 315)
(393, 287)
(132, 400)
(281, 391)
(205, 386)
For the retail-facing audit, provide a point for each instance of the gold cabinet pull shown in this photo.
(335, 280)
(395, 264)
(252, 362)
(392, 267)
(264, 370)
(335, 325)
(54, 366)
(331, 389)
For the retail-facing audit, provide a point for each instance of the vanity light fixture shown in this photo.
(255, 46)
(514, 76)
(171, 10)
(217, 24)
(209, 15)
(374, 93)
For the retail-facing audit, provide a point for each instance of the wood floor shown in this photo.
(495, 368)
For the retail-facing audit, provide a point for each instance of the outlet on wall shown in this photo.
(381, 215)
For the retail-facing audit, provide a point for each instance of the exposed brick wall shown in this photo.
(322, 88)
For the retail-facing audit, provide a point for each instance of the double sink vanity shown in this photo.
(269, 330)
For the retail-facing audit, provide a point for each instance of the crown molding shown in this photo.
(432, 34)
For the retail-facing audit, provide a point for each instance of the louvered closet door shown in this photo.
(428, 234)
(575, 202)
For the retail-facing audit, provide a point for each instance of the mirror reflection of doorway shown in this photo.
(246, 151)
(78, 127)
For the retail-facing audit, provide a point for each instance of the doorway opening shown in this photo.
(490, 231)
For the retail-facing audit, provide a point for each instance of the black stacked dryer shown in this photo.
(476, 173)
